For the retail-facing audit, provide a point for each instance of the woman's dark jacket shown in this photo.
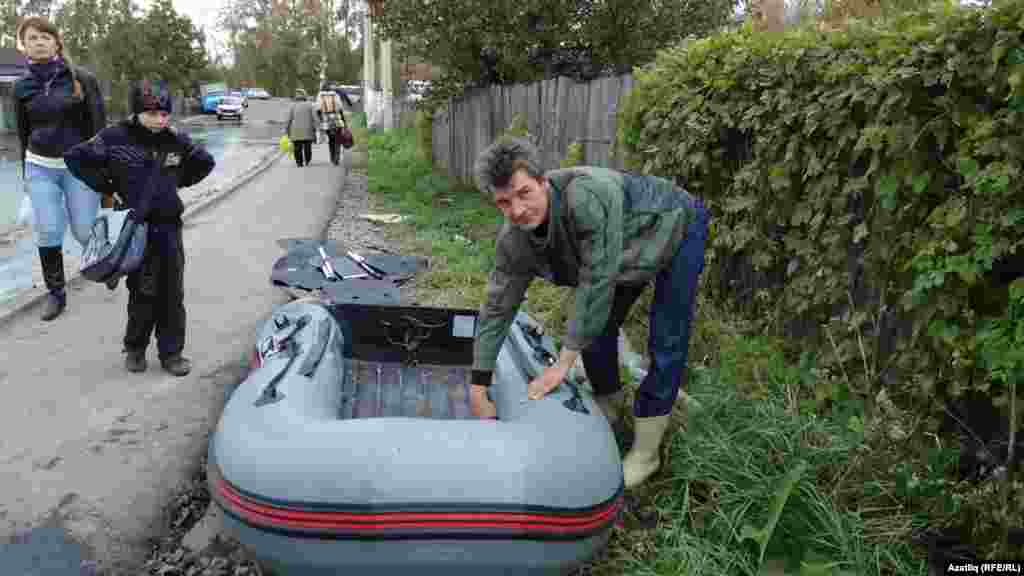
(50, 119)
(141, 166)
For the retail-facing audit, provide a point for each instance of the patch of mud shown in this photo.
(170, 558)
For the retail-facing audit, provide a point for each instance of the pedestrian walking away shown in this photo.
(146, 161)
(332, 118)
(57, 105)
(301, 128)
(608, 234)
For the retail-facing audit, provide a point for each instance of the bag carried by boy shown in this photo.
(117, 243)
(115, 247)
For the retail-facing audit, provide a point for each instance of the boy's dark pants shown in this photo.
(303, 150)
(156, 293)
(671, 316)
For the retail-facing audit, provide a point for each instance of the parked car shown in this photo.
(242, 96)
(230, 107)
(211, 101)
(259, 94)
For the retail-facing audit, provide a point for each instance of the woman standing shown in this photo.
(331, 119)
(301, 128)
(58, 105)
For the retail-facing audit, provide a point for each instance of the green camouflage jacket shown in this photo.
(604, 228)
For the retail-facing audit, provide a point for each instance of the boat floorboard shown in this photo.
(394, 389)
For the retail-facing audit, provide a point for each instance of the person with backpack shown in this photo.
(57, 105)
(145, 161)
(331, 116)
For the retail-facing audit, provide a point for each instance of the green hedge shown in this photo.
(878, 166)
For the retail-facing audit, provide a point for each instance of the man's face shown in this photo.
(155, 120)
(39, 46)
(524, 201)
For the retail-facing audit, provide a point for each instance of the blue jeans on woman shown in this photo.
(671, 317)
(57, 196)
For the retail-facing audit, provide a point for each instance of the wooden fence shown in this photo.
(558, 112)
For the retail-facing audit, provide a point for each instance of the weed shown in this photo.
(772, 473)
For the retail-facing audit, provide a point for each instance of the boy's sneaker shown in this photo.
(135, 361)
(177, 365)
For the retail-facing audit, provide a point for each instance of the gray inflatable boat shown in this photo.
(350, 449)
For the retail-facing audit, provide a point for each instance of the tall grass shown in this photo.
(762, 469)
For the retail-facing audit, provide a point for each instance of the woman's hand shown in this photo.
(479, 404)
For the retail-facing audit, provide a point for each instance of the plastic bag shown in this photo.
(26, 216)
(285, 144)
(116, 245)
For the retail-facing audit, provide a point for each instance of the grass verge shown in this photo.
(764, 478)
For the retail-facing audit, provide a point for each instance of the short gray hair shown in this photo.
(497, 163)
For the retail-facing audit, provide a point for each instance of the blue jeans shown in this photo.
(671, 317)
(56, 197)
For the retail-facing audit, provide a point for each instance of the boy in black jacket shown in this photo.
(145, 160)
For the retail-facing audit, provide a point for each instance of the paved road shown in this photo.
(90, 453)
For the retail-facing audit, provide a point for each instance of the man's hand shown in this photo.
(546, 382)
(479, 404)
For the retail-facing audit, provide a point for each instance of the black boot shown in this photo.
(135, 360)
(52, 260)
(176, 365)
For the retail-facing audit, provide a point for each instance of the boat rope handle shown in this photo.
(535, 335)
(317, 352)
(270, 393)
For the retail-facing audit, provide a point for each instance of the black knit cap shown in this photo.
(151, 95)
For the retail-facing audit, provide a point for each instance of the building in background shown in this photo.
(12, 66)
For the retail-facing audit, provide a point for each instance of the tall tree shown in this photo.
(161, 44)
(85, 23)
(285, 44)
(485, 41)
(13, 11)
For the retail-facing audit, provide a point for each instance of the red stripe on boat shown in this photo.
(551, 524)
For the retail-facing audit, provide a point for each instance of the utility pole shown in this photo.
(379, 106)
(369, 66)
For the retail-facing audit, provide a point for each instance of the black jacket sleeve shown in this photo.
(21, 117)
(89, 162)
(197, 163)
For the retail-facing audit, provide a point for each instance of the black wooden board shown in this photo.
(300, 267)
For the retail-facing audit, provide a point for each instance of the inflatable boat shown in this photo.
(350, 449)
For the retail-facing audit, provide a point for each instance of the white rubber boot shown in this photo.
(643, 458)
(611, 405)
